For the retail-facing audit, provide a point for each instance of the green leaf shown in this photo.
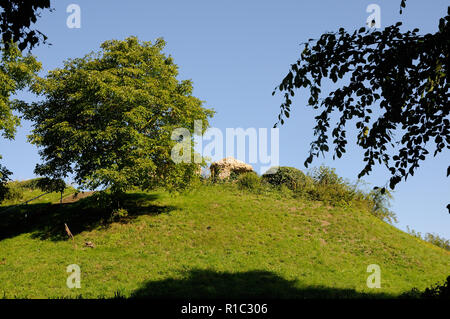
(109, 121)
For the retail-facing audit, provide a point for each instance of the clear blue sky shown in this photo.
(236, 52)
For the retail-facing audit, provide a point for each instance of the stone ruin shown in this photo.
(222, 169)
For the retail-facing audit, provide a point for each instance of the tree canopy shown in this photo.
(16, 72)
(4, 178)
(16, 18)
(107, 118)
(392, 84)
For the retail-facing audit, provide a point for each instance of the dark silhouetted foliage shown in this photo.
(438, 291)
(16, 18)
(51, 185)
(4, 178)
(391, 82)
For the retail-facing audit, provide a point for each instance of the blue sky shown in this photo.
(236, 52)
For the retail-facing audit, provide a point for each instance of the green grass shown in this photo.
(215, 241)
(32, 193)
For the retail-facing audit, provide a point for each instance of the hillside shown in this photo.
(214, 241)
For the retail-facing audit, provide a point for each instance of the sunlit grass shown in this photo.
(216, 241)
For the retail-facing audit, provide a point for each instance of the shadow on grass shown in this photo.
(46, 221)
(252, 284)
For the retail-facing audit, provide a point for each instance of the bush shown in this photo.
(4, 178)
(330, 188)
(435, 292)
(438, 241)
(14, 192)
(119, 214)
(292, 178)
(32, 184)
(324, 175)
(380, 205)
(414, 233)
(249, 181)
(334, 194)
(438, 291)
(321, 184)
(431, 238)
(101, 199)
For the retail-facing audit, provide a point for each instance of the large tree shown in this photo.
(392, 84)
(16, 72)
(16, 20)
(108, 118)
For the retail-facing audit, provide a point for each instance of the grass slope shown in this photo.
(216, 241)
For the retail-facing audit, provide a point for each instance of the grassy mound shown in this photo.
(22, 191)
(215, 241)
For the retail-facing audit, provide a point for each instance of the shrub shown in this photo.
(233, 176)
(4, 178)
(438, 241)
(291, 177)
(249, 181)
(324, 175)
(431, 238)
(334, 194)
(101, 199)
(330, 188)
(14, 192)
(286, 192)
(30, 184)
(380, 205)
(414, 233)
(437, 291)
(118, 214)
